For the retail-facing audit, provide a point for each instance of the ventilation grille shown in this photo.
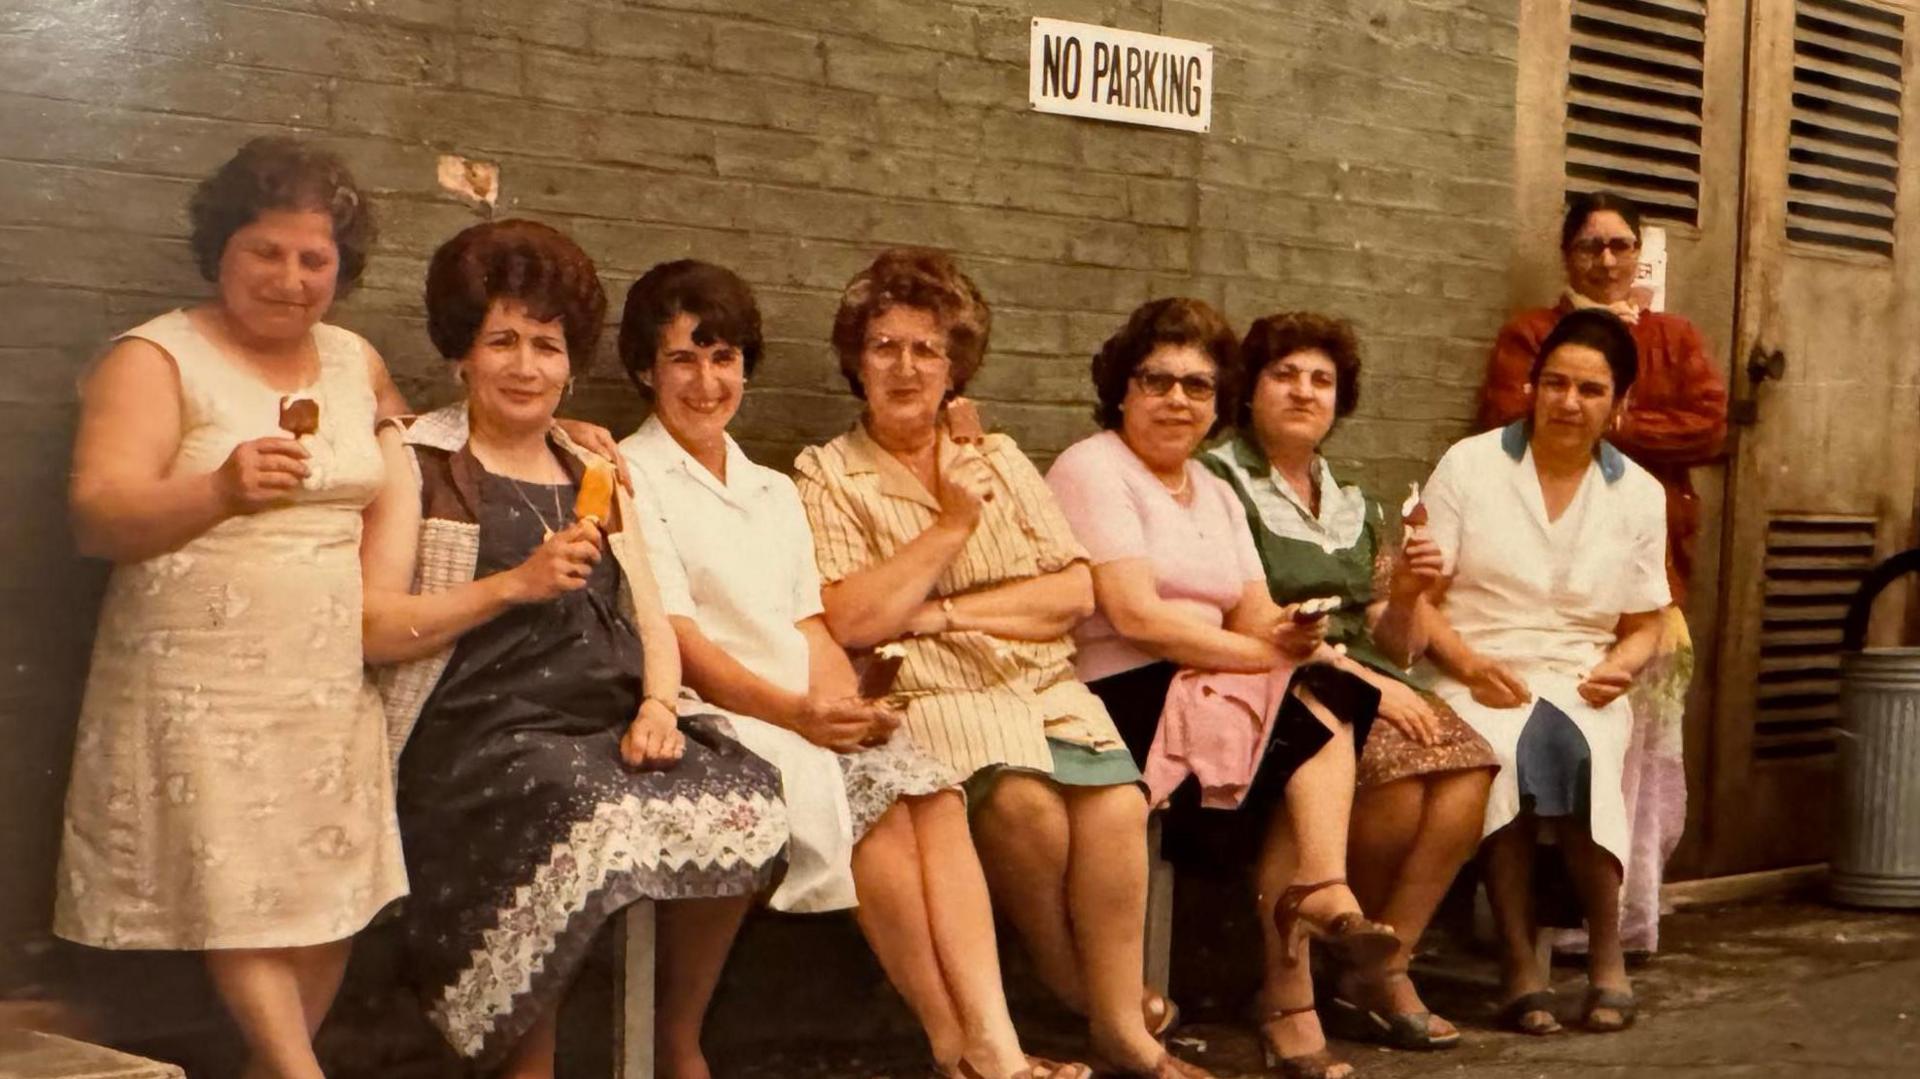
(1845, 150)
(1814, 566)
(1633, 102)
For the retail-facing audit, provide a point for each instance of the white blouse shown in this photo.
(1540, 593)
(737, 558)
(741, 553)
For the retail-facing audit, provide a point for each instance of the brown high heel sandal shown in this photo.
(1354, 940)
(1319, 1064)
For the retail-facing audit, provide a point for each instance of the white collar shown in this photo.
(745, 479)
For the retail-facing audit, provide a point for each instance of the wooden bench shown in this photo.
(26, 1054)
(633, 994)
(633, 997)
(1159, 911)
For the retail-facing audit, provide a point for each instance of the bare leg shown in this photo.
(925, 911)
(1318, 806)
(262, 989)
(1023, 835)
(1306, 842)
(1386, 823)
(1107, 894)
(1452, 806)
(691, 950)
(1509, 866)
(960, 916)
(1596, 876)
(319, 970)
(1285, 983)
(532, 1058)
(893, 916)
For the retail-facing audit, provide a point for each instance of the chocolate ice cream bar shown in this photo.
(963, 421)
(882, 669)
(1413, 512)
(299, 415)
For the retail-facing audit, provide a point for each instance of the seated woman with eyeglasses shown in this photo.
(1212, 684)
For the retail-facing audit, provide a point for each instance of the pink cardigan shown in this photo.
(1214, 727)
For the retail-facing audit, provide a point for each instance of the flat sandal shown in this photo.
(1617, 1000)
(1513, 1014)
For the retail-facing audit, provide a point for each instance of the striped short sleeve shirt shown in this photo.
(972, 699)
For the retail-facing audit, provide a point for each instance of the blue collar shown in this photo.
(1515, 436)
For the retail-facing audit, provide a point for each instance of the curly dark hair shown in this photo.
(514, 259)
(919, 277)
(1174, 320)
(722, 306)
(1582, 206)
(1278, 336)
(274, 172)
(1600, 330)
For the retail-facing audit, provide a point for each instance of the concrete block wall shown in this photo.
(1360, 162)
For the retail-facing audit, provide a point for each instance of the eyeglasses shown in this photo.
(1160, 384)
(891, 350)
(1620, 246)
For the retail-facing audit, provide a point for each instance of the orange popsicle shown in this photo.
(595, 500)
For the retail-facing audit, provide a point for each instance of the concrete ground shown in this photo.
(1778, 989)
(1762, 990)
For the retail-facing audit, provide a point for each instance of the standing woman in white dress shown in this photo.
(1555, 544)
(231, 788)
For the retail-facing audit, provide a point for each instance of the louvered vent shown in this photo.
(1814, 566)
(1633, 102)
(1845, 149)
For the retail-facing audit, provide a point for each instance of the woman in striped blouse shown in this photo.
(949, 542)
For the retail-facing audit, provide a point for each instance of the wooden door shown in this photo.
(1826, 404)
(1645, 98)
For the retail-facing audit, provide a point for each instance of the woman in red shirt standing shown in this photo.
(1674, 419)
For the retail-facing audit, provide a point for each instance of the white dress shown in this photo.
(231, 784)
(737, 558)
(1544, 597)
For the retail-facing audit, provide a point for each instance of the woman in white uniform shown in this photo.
(1555, 545)
(735, 559)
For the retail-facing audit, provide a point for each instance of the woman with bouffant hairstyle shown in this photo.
(918, 279)
(717, 302)
(230, 791)
(1186, 638)
(875, 822)
(1423, 773)
(548, 778)
(1176, 320)
(942, 538)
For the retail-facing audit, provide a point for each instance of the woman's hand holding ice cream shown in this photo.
(1419, 565)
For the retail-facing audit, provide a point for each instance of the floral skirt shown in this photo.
(1390, 756)
(514, 874)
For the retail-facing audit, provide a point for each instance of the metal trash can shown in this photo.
(1876, 849)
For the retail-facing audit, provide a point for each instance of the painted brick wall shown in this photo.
(1360, 162)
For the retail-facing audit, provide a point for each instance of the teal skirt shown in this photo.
(1073, 766)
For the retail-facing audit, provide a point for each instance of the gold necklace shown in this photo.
(559, 515)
